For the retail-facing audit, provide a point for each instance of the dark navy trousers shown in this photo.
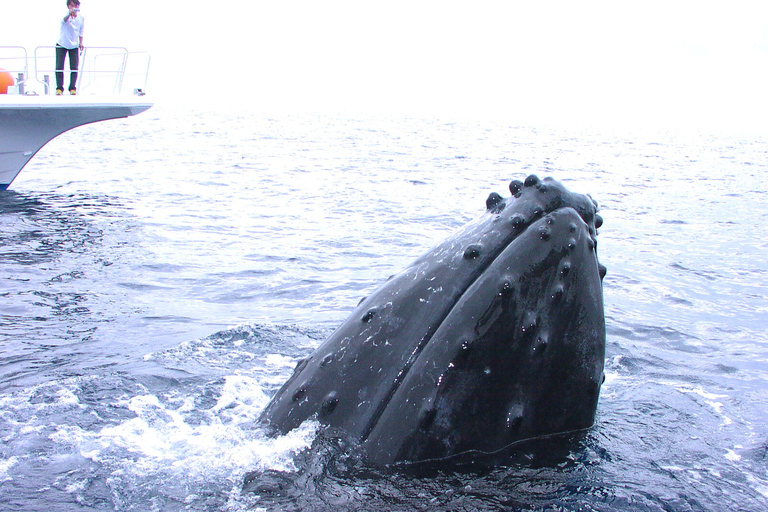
(74, 62)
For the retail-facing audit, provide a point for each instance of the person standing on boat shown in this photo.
(70, 43)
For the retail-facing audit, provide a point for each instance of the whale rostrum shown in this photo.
(494, 336)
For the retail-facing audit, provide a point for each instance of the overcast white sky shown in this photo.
(650, 62)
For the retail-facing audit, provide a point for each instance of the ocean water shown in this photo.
(161, 275)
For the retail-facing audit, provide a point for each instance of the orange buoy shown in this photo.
(6, 80)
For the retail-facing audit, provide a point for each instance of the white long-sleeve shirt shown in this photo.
(71, 31)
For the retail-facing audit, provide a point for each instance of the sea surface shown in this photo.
(161, 275)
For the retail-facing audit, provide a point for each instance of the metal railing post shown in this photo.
(81, 65)
(121, 73)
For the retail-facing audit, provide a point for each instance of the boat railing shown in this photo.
(102, 70)
(13, 59)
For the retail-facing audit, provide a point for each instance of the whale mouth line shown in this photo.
(486, 453)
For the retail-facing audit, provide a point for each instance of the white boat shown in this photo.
(32, 115)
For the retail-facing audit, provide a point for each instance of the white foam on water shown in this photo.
(185, 444)
(760, 486)
(710, 399)
(162, 436)
(65, 396)
(241, 399)
(277, 360)
(610, 378)
(608, 387)
(76, 486)
(5, 465)
(699, 391)
(718, 408)
(206, 352)
(182, 449)
(672, 468)
(278, 367)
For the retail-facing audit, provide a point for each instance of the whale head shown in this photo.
(494, 336)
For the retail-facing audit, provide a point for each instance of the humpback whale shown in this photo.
(495, 336)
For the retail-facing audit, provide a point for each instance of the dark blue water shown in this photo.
(161, 275)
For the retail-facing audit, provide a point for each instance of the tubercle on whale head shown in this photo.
(543, 196)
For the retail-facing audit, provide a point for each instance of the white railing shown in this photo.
(13, 59)
(103, 70)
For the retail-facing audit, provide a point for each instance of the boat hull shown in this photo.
(27, 124)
